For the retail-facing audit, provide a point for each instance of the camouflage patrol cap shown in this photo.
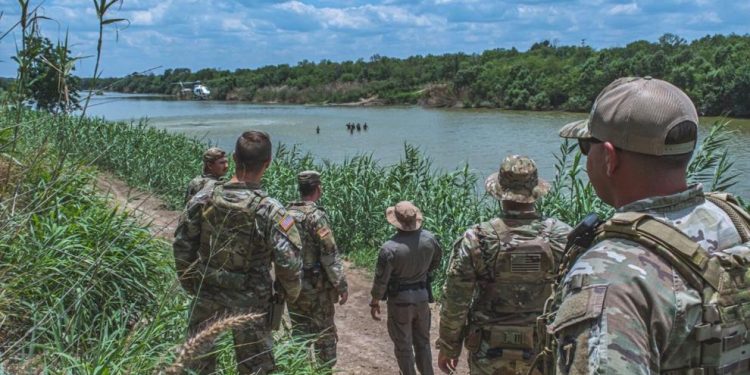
(516, 181)
(636, 114)
(308, 177)
(213, 154)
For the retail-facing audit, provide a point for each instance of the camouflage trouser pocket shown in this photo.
(473, 339)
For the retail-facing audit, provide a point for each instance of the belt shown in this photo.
(412, 286)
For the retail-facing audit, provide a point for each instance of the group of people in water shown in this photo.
(350, 127)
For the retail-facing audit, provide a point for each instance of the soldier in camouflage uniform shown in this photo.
(632, 308)
(403, 273)
(224, 245)
(500, 275)
(215, 166)
(323, 280)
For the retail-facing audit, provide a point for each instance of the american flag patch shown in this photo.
(525, 263)
(323, 232)
(286, 223)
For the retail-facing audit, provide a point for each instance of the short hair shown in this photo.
(252, 150)
(683, 132)
(307, 188)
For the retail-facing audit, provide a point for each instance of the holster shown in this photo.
(473, 338)
(277, 308)
(393, 288)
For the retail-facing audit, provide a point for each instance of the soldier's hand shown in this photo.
(343, 297)
(447, 365)
(375, 310)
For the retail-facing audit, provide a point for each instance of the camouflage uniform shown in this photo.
(664, 287)
(323, 280)
(404, 266)
(224, 245)
(204, 181)
(626, 309)
(500, 275)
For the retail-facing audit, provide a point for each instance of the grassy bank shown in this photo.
(86, 289)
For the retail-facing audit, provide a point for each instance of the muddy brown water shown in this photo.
(451, 138)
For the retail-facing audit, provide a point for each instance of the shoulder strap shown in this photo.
(740, 218)
(690, 259)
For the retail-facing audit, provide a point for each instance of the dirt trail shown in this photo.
(364, 346)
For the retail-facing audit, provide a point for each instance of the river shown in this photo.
(451, 138)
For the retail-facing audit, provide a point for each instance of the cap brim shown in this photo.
(576, 129)
(390, 216)
(492, 185)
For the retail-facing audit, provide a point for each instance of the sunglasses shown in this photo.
(585, 144)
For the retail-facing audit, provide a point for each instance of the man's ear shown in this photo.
(611, 158)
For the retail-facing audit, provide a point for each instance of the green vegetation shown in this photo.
(712, 70)
(86, 289)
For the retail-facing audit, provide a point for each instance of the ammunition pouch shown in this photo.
(511, 337)
(473, 339)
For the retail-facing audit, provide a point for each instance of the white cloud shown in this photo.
(233, 24)
(150, 16)
(702, 18)
(623, 9)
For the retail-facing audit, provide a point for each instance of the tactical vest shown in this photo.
(230, 238)
(722, 278)
(517, 279)
(304, 216)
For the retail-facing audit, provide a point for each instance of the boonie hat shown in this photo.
(517, 181)
(405, 216)
(636, 114)
(308, 177)
(213, 154)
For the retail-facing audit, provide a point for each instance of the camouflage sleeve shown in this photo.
(460, 284)
(382, 274)
(189, 192)
(617, 312)
(330, 259)
(558, 233)
(187, 243)
(281, 233)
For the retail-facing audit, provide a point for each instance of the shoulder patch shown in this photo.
(286, 222)
(324, 232)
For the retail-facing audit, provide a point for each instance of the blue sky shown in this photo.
(230, 34)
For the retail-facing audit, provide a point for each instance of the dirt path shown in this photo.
(364, 346)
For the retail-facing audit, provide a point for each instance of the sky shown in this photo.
(231, 34)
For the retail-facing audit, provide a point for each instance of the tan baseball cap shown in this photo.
(636, 114)
(213, 154)
(405, 216)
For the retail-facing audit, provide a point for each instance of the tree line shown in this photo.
(713, 70)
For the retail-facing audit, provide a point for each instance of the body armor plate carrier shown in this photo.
(517, 279)
(722, 278)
